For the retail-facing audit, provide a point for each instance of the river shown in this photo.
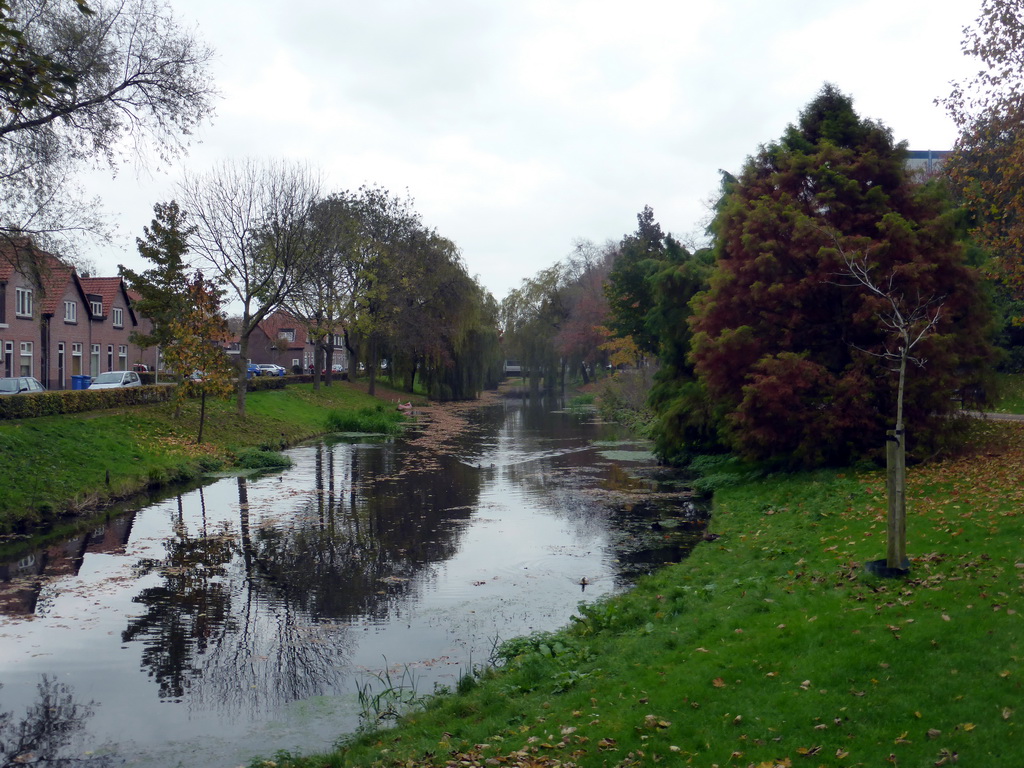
(287, 610)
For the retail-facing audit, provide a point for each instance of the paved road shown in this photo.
(997, 416)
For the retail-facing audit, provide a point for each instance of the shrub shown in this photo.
(377, 419)
(79, 400)
(253, 458)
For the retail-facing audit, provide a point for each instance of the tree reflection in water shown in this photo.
(46, 729)
(188, 612)
(262, 615)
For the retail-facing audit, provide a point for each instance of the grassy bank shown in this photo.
(72, 463)
(771, 646)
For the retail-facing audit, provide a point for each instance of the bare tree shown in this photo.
(113, 80)
(906, 321)
(251, 222)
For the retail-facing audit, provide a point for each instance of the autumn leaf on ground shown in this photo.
(808, 751)
(718, 682)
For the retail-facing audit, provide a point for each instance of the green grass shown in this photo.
(1011, 393)
(771, 646)
(58, 464)
(377, 419)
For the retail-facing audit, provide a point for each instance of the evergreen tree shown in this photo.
(163, 288)
(629, 289)
(790, 352)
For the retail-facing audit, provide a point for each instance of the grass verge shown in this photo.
(72, 463)
(771, 646)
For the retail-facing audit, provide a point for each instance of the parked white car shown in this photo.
(271, 369)
(115, 379)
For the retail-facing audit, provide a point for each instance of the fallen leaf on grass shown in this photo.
(808, 751)
(718, 682)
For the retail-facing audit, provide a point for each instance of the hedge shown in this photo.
(77, 400)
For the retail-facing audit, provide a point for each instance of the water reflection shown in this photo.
(188, 611)
(245, 602)
(52, 723)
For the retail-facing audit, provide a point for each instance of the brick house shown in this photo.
(55, 325)
(282, 339)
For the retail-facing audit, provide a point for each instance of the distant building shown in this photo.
(283, 339)
(926, 163)
(55, 324)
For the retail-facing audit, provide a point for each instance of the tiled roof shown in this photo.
(105, 287)
(272, 325)
(53, 274)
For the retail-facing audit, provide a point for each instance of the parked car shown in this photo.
(252, 370)
(115, 380)
(270, 369)
(140, 368)
(335, 370)
(17, 385)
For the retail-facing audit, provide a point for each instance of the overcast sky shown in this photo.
(521, 126)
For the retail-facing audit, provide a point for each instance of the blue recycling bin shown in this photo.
(80, 382)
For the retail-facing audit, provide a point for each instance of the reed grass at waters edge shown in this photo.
(70, 463)
(771, 646)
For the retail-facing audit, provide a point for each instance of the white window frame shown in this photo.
(122, 357)
(94, 360)
(70, 311)
(26, 351)
(97, 308)
(23, 302)
(117, 316)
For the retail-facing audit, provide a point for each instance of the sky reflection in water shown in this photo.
(244, 616)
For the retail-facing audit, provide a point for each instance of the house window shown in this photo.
(61, 363)
(288, 334)
(26, 358)
(70, 311)
(122, 357)
(97, 308)
(3, 303)
(95, 366)
(23, 303)
(118, 316)
(110, 357)
(76, 358)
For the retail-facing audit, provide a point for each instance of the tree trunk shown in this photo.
(243, 362)
(202, 416)
(896, 481)
(372, 365)
(317, 366)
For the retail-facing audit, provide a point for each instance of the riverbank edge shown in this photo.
(772, 645)
(158, 449)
